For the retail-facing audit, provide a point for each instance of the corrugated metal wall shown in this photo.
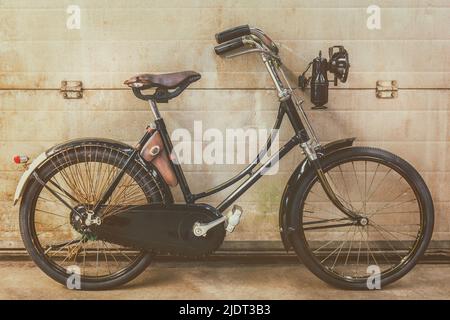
(118, 39)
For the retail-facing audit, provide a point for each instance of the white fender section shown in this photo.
(26, 175)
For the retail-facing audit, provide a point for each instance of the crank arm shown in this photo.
(200, 229)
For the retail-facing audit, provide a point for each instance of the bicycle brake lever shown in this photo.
(277, 58)
(240, 53)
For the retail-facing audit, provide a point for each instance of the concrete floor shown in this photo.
(223, 280)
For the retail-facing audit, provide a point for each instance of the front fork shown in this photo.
(311, 155)
(290, 103)
(309, 149)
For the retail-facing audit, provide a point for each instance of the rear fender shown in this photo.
(45, 156)
(296, 177)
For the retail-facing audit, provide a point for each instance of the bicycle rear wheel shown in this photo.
(56, 239)
(395, 226)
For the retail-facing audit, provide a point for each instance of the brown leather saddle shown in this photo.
(178, 81)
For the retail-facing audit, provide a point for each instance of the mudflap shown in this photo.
(162, 229)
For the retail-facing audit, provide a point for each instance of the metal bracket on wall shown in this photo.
(71, 89)
(387, 89)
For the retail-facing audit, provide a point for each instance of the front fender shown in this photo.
(294, 180)
(43, 157)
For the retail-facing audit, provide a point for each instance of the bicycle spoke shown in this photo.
(390, 206)
(79, 178)
(340, 248)
(379, 193)
(355, 228)
(379, 184)
(51, 213)
(357, 183)
(345, 187)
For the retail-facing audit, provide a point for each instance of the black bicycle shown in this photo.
(106, 207)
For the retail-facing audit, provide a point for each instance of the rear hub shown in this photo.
(363, 221)
(82, 218)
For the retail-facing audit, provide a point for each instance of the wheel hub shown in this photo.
(363, 221)
(82, 217)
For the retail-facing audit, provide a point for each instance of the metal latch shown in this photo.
(387, 89)
(72, 89)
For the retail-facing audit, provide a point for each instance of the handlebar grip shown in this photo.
(232, 33)
(228, 46)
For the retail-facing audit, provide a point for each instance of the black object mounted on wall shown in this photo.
(338, 64)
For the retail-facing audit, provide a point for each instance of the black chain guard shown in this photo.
(163, 229)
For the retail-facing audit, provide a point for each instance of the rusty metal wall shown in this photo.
(118, 39)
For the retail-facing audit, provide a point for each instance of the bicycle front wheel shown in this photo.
(395, 226)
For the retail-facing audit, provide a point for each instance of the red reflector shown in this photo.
(20, 159)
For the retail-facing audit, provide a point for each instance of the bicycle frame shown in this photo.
(301, 139)
(304, 137)
(254, 176)
(286, 107)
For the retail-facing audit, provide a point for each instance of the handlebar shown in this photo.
(232, 33)
(237, 37)
(259, 42)
(229, 46)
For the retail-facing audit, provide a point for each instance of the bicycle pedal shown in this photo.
(234, 218)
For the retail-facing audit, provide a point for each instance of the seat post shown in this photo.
(154, 108)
